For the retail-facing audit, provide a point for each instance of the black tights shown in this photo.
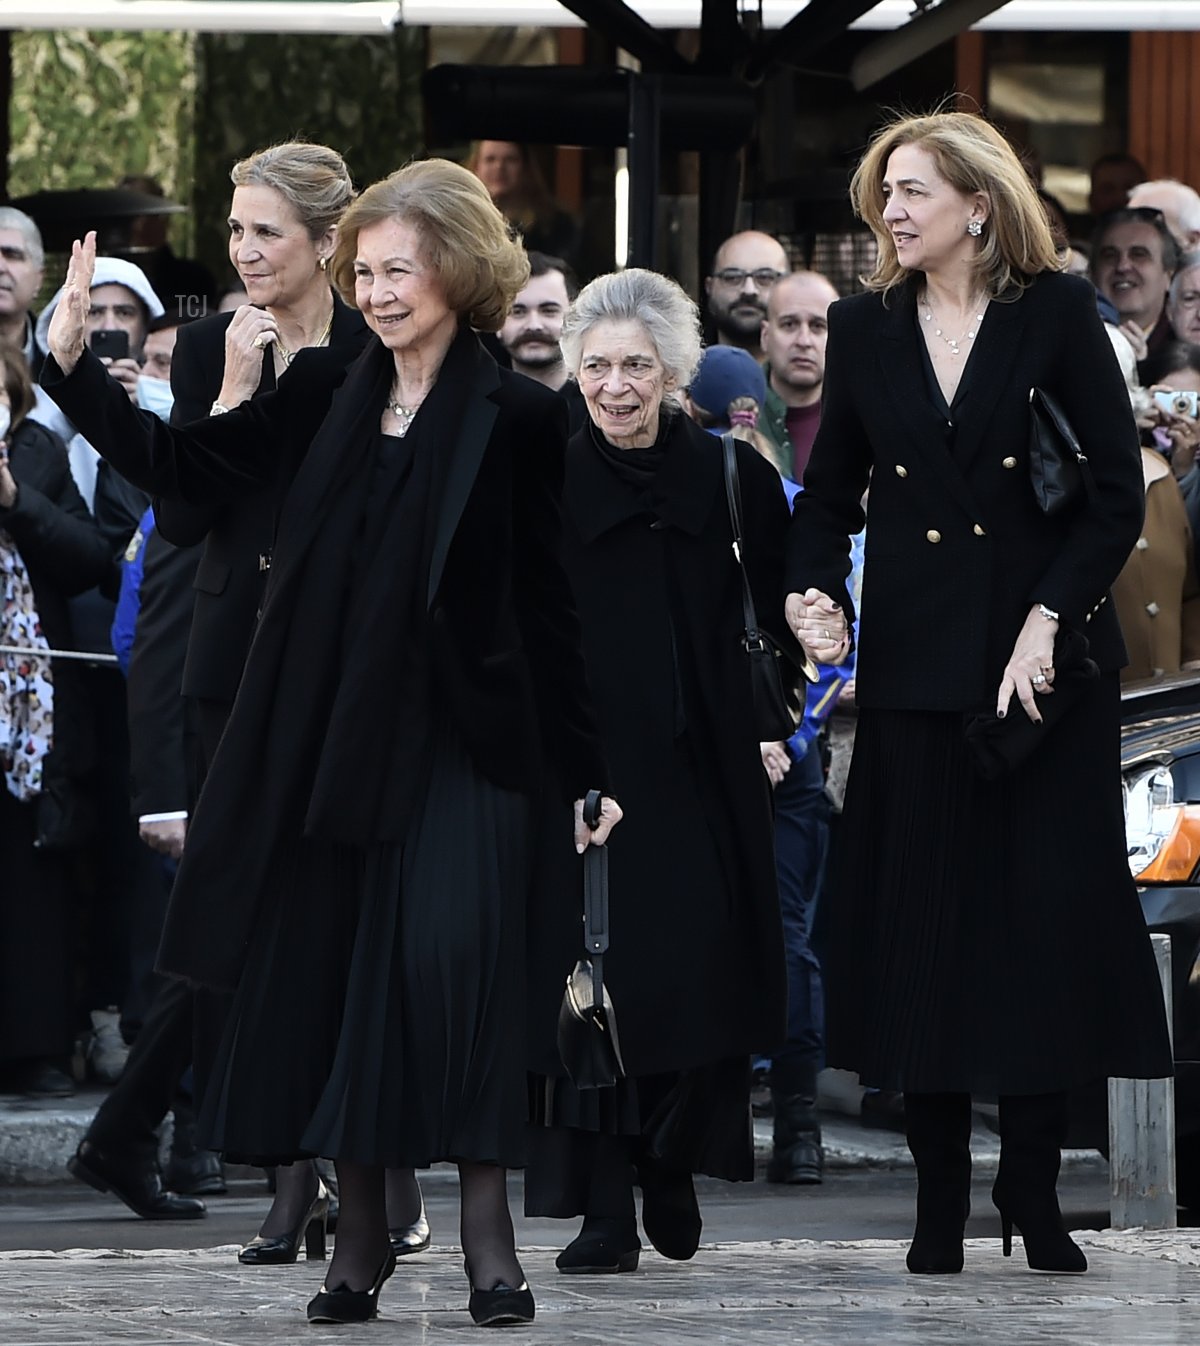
(361, 1246)
(296, 1188)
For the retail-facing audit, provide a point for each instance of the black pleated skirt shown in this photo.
(986, 936)
(380, 1015)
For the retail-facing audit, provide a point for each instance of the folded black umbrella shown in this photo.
(587, 1025)
(1001, 745)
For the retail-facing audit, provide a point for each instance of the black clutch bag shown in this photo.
(587, 1025)
(1058, 466)
(775, 677)
(1001, 745)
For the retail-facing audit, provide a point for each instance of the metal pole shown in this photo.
(645, 106)
(83, 656)
(1141, 1136)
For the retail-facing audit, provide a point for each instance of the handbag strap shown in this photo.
(733, 496)
(595, 899)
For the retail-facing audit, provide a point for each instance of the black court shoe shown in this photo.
(285, 1247)
(344, 1305)
(501, 1306)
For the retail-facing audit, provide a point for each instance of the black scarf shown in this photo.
(635, 467)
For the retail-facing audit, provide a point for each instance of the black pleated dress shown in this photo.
(986, 935)
(378, 1016)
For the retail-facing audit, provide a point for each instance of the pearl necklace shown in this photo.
(954, 342)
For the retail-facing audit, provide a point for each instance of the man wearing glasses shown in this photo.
(744, 269)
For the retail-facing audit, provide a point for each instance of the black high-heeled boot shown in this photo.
(1032, 1131)
(938, 1127)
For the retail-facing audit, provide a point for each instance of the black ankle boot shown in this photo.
(670, 1211)
(1032, 1131)
(796, 1154)
(939, 1136)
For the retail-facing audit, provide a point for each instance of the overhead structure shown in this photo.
(379, 16)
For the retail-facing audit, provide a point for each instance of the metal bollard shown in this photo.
(1141, 1136)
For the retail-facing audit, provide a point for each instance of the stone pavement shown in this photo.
(1142, 1288)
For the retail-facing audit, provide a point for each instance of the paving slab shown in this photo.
(1142, 1288)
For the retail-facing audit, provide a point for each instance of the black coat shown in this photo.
(65, 554)
(696, 966)
(236, 533)
(505, 650)
(162, 752)
(55, 533)
(957, 550)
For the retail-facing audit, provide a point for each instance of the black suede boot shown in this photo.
(1032, 1131)
(796, 1155)
(939, 1136)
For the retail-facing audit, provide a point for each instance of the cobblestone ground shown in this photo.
(1142, 1288)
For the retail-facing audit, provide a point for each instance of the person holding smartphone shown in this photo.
(123, 303)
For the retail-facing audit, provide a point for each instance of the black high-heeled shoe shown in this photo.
(285, 1247)
(411, 1238)
(343, 1305)
(601, 1247)
(501, 1306)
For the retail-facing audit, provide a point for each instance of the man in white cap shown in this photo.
(122, 300)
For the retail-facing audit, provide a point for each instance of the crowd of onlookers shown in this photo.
(92, 821)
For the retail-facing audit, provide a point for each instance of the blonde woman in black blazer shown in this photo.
(988, 936)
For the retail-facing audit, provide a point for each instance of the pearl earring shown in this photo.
(974, 228)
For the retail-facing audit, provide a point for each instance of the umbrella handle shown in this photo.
(591, 808)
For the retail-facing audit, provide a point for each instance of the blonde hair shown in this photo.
(464, 238)
(972, 156)
(312, 179)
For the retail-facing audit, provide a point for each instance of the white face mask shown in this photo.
(5, 420)
(155, 395)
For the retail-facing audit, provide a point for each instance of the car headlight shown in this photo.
(1162, 837)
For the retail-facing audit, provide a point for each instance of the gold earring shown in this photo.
(323, 263)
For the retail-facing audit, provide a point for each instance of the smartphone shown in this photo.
(1179, 403)
(111, 345)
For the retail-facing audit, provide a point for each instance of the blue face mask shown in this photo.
(155, 395)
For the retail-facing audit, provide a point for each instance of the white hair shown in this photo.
(669, 316)
(12, 218)
(1187, 200)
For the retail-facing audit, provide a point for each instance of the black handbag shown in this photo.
(1000, 746)
(1058, 466)
(587, 1027)
(774, 675)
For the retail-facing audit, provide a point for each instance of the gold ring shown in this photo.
(258, 343)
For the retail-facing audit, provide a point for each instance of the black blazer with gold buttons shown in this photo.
(956, 548)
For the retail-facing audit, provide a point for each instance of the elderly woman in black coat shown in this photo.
(50, 550)
(415, 664)
(695, 969)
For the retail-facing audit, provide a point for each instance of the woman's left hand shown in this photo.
(8, 485)
(610, 816)
(1030, 668)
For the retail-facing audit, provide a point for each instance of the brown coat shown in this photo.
(1157, 596)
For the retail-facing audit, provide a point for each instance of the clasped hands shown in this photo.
(819, 624)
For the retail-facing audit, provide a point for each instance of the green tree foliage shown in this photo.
(360, 95)
(89, 107)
